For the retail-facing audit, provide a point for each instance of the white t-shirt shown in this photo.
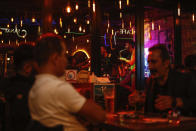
(53, 101)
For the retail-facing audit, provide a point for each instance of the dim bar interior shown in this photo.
(97, 33)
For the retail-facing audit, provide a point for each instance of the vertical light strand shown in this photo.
(60, 22)
(94, 6)
(21, 23)
(77, 7)
(12, 19)
(108, 23)
(120, 14)
(159, 27)
(179, 11)
(152, 25)
(39, 29)
(193, 17)
(120, 4)
(89, 3)
(128, 3)
(112, 32)
(130, 24)
(123, 24)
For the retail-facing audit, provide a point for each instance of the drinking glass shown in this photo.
(109, 99)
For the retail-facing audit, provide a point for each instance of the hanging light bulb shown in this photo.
(75, 20)
(33, 19)
(132, 31)
(80, 28)
(84, 30)
(94, 6)
(55, 31)
(89, 3)
(21, 23)
(159, 27)
(88, 22)
(107, 30)
(178, 9)
(77, 6)
(87, 41)
(112, 32)
(60, 22)
(127, 2)
(152, 25)
(39, 29)
(193, 17)
(130, 24)
(8, 25)
(1, 32)
(65, 36)
(2, 41)
(68, 30)
(12, 19)
(68, 9)
(108, 24)
(123, 24)
(120, 6)
(120, 14)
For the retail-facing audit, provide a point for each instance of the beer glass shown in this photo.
(109, 99)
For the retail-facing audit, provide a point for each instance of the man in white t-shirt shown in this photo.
(53, 101)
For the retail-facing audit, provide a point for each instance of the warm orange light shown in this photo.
(87, 41)
(193, 17)
(88, 22)
(12, 19)
(120, 14)
(8, 25)
(152, 25)
(75, 20)
(130, 24)
(68, 9)
(89, 3)
(80, 28)
(61, 22)
(81, 50)
(123, 24)
(94, 6)
(21, 23)
(127, 2)
(84, 30)
(112, 32)
(77, 6)
(68, 30)
(55, 31)
(159, 27)
(108, 24)
(33, 19)
(65, 36)
(120, 4)
(178, 9)
(1, 33)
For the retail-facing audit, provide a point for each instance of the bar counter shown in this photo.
(147, 123)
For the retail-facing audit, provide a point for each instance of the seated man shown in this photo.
(166, 89)
(53, 101)
(17, 87)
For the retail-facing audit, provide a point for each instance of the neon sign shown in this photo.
(20, 33)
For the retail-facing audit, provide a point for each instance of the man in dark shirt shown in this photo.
(16, 89)
(166, 89)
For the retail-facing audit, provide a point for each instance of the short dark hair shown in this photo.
(23, 54)
(47, 45)
(164, 53)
